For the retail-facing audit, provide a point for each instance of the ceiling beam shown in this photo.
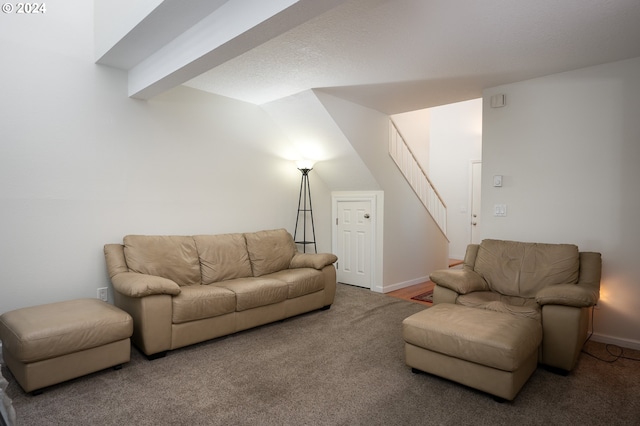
(159, 55)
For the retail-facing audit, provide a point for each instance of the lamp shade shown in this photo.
(305, 164)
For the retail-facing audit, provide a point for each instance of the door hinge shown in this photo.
(336, 221)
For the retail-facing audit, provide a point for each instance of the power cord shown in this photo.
(608, 347)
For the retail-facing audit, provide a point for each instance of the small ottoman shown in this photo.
(494, 352)
(48, 344)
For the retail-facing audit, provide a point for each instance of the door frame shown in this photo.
(472, 163)
(376, 198)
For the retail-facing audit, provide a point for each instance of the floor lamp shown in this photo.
(305, 209)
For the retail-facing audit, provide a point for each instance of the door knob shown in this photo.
(474, 223)
(366, 215)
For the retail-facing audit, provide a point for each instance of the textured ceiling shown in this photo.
(402, 55)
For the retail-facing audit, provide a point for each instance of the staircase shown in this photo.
(417, 178)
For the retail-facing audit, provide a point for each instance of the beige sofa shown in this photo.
(182, 290)
(553, 284)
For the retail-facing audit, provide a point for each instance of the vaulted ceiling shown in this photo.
(390, 55)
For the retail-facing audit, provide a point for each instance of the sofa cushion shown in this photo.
(168, 256)
(492, 301)
(222, 257)
(270, 251)
(255, 292)
(300, 281)
(202, 301)
(522, 269)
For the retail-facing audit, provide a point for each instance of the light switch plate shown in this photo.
(497, 180)
(500, 210)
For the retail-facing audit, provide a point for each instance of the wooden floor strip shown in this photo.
(407, 293)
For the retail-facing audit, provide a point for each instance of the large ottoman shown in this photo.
(494, 352)
(48, 344)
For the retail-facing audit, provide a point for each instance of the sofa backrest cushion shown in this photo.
(522, 269)
(172, 257)
(270, 251)
(222, 257)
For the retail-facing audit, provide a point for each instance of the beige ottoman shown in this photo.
(48, 344)
(494, 352)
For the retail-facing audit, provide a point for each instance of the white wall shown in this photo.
(82, 165)
(313, 135)
(456, 140)
(568, 148)
(413, 245)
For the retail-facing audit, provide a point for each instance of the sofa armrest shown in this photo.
(462, 281)
(133, 284)
(312, 260)
(576, 295)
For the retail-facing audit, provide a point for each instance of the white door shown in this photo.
(476, 181)
(354, 243)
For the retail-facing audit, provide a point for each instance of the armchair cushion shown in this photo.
(522, 269)
(491, 301)
(172, 257)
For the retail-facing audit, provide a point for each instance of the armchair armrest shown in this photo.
(462, 281)
(579, 296)
(583, 294)
(133, 284)
(312, 260)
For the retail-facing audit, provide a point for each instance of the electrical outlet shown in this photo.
(103, 294)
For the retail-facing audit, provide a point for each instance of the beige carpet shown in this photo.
(344, 366)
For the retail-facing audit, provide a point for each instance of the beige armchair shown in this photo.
(552, 283)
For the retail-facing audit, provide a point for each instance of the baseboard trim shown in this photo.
(624, 343)
(398, 286)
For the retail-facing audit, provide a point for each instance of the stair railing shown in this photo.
(417, 177)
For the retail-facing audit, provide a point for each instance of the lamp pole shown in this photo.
(304, 208)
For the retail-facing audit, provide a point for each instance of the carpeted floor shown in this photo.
(343, 366)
